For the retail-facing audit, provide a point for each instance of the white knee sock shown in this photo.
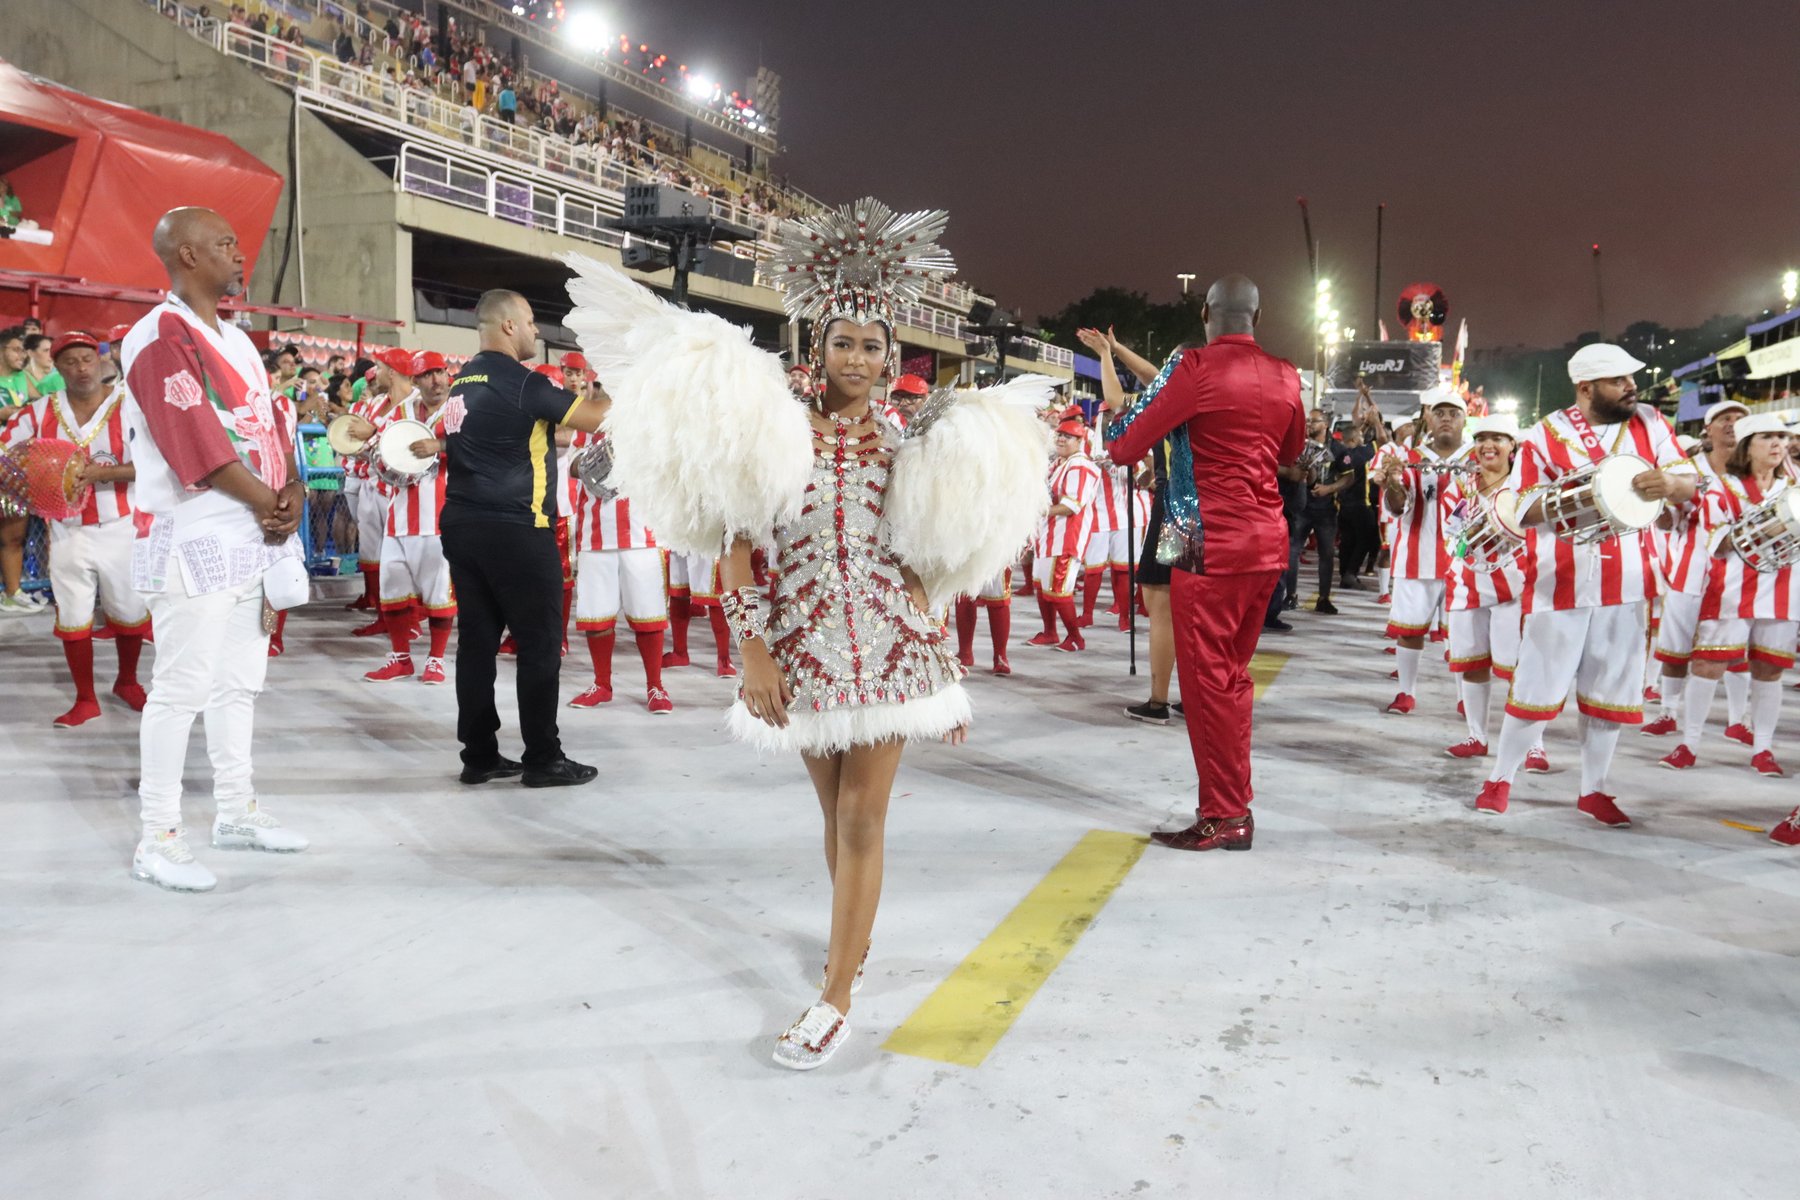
(1516, 734)
(1699, 700)
(1737, 695)
(1765, 711)
(1652, 670)
(1598, 741)
(1672, 688)
(1475, 707)
(1537, 734)
(1382, 577)
(1409, 668)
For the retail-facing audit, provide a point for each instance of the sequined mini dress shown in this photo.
(866, 665)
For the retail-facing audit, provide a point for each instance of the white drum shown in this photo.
(1492, 534)
(340, 439)
(1767, 537)
(1598, 503)
(395, 464)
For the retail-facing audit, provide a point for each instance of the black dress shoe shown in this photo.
(1277, 626)
(563, 773)
(500, 768)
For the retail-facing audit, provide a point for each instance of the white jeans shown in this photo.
(211, 657)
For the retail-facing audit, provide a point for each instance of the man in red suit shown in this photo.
(1243, 417)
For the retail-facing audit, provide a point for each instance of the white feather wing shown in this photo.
(708, 442)
(964, 497)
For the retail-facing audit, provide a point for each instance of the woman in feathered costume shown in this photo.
(873, 530)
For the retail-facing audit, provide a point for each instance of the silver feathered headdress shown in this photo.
(860, 261)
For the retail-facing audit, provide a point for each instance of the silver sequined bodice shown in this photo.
(844, 628)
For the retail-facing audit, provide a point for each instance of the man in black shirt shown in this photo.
(1356, 519)
(1318, 514)
(499, 530)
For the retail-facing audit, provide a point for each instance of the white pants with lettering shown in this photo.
(211, 657)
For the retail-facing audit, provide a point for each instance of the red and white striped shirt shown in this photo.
(1733, 587)
(1419, 551)
(1464, 587)
(1075, 483)
(605, 524)
(103, 437)
(1559, 574)
(1683, 547)
(1109, 512)
(413, 510)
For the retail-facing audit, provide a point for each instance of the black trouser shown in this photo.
(1324, 523)
(506, 576)
(1362, 538)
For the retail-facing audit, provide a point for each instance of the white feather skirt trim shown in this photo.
(821, 733)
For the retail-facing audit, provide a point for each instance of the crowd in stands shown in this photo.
(407, 58)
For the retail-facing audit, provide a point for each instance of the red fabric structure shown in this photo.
(97, 175)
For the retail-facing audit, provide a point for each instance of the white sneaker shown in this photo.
(255, 830)
(165, 860)
(812, 1039)
(17, 604)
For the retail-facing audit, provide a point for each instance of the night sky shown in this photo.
(1084, 145)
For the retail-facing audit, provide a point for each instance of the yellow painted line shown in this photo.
(1263, 670)
(968, 1013)
(1741, 825)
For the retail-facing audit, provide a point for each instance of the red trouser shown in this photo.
(1217, 621)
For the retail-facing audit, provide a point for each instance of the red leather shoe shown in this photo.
(1400, 705)
(1765, 764)
(1537, 762)
(1678, 759)
(433, 672)
(1001, 666)
(1467, 748)
(132, 693)
(1788, 831)
(594, 696)
(1603, 809)
(1494, 795)
(1041, 639)
(83, 712)
(1740, 732)
(1661, 727)
(658, 702)
(1209, 834)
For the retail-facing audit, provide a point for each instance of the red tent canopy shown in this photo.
(97, 175)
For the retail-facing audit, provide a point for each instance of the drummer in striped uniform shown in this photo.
(1075, 487)
(1485, 582)
(90, 553)
(1584, 603)
(1743, 609)
(619, 571)
(1684, 569)
(414, 573)
(392, 387)
(1411, 491)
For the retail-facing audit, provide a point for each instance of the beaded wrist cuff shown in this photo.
(743, 610)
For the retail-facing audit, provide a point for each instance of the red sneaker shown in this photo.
(1740, 732)
(1603, 809)
(1125, 624)
(1073, 643)
(1001, 666)
(676, 660)
(398, 666)
(1401, 705)
(1788, 832)
(1042, 639)
(725, 669)
(1537, 762)
(1115, 611)
(1393, 674)
(1084, 620)
(1385, 598)
(1678, 759)
(1468, 748)
(1389, 649)
(1439, 635)
(433, 672)
(275, 647)
(967, 660)
(1652, 696)
(1459, 709)
(374, 628)
(360, 604)
(83, 712)
(1661, 727)
(1493, 797)
(132, 693)
(507, 645)
(659, 702)
(1764, 764)
(592, 698)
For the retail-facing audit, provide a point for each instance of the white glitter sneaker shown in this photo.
(165, 860)
(255, 830)
(812, 1039)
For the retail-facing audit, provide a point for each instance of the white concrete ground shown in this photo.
(494, 993)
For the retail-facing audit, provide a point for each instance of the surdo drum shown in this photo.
(1598, 503)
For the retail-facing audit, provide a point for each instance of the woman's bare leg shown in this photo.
(825, 773)
(865, 783)
(1162, 640)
